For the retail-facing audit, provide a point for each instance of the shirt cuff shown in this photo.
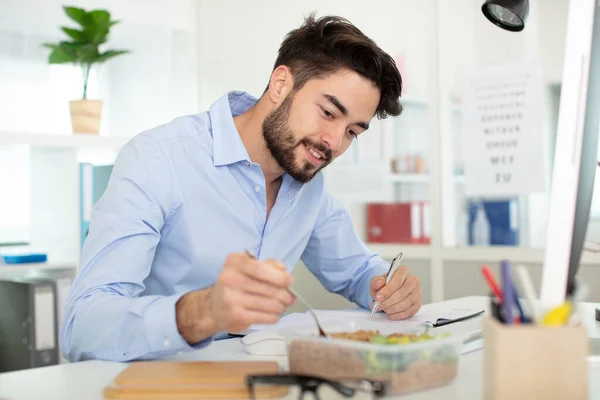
(161, 324)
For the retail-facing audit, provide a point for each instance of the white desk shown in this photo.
(85, 380)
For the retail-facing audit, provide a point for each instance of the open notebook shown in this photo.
(426, 316)
(469, 329)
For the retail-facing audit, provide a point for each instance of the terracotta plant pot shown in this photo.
(85, 115)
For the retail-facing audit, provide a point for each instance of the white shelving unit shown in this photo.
(69, 141)
(419, 178)
(34, 268)
(55, 223)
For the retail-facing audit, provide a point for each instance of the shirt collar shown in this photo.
(228, 147)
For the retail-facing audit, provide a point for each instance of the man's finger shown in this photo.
(244, 283)
(243, 318)
(402, 294)
(266, 272)
(412, 310)
(399, 303)
(277, 264)
(396, 281)
(262, 304)
(377, 283)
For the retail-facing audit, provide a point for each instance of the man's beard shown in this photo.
(282, 144)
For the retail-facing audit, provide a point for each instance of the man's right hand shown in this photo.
(248, 291)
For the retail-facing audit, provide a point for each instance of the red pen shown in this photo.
(492, 282)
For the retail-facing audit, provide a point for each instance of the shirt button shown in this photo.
(167, 343)
(248, 164)
(290, 192)
(257, 188)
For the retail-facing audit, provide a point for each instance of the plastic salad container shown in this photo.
(407, 363)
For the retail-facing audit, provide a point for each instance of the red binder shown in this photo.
(398, 223)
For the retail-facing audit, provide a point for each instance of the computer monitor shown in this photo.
(575, 159)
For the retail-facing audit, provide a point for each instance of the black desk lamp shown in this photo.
(507, 14)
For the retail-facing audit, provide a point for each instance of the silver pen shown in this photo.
(393, 267)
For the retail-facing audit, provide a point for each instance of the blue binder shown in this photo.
(93, 182)
(503, 217)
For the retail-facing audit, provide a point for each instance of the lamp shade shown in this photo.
(507, 14)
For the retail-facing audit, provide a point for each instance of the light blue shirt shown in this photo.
(182, 196)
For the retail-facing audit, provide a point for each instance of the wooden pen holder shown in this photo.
(534, 362)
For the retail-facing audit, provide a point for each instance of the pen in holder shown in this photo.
(531, 356)
(527, 361)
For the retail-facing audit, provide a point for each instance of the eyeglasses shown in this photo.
(280, 385)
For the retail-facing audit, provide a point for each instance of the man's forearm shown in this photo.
(101, 324)
(194, 320)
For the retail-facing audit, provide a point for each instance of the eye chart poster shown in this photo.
(503, 147)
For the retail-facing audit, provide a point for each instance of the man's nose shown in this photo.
(333, 139)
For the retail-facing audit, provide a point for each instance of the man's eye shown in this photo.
(353, 134)
(327, 113)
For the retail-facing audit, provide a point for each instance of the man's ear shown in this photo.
(281, 84)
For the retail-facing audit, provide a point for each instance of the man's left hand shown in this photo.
(401, 297)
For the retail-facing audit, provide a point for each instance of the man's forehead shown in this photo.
(356, 94)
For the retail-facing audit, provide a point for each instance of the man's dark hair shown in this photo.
(320, 47)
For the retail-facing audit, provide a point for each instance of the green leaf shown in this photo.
(96, 33)
(60, 57)
(70, 48)
(114, 22)
(74, 33)
(110, 54)
(78, 15)
(51, 46)
(87, 53)
(100, 17)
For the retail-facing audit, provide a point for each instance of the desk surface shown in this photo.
(85, 380)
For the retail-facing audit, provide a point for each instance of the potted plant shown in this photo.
(83, 49)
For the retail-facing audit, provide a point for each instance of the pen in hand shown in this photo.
(393, 267)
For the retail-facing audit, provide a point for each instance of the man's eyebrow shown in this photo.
(334, 100)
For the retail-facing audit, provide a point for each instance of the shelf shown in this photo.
(411, 251)
(494, 254)
(489, 254)
(419, 178)
(28, 269)
(78, 141)
(401, 177)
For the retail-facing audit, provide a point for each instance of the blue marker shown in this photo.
(508, 293)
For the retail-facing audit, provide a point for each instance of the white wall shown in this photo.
(238, 40)
(150, 86)
(156, 82)
(237, 52)
(468, 41)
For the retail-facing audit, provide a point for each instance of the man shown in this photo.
(164, 267)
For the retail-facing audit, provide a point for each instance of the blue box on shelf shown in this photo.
(503, 219)
(24, 258)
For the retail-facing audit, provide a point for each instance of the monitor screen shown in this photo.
(576, 153)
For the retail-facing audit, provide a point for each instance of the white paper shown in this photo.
(503, 144)
(44, 319)
(425, 315)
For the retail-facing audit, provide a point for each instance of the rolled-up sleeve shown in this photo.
(337, 256)
(105, 317)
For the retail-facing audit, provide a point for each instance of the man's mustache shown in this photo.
(322, 147)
